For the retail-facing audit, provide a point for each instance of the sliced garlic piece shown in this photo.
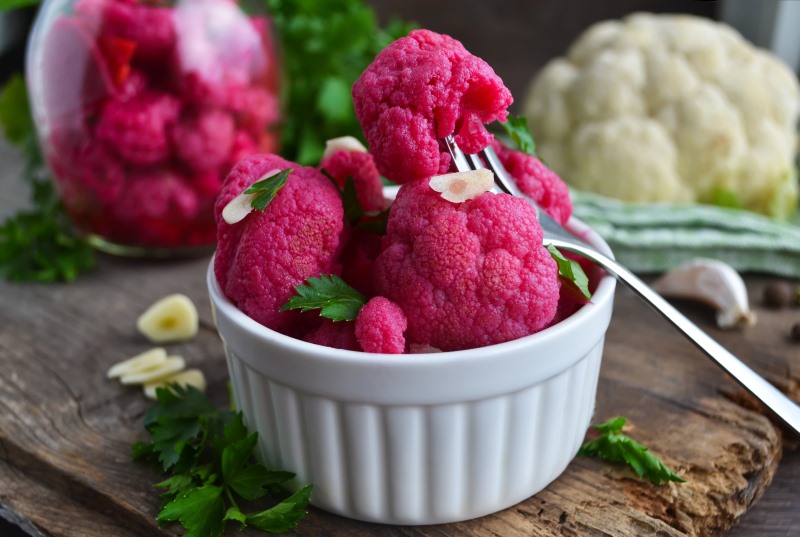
(714, 283)
(242, 205)
(346, 143)
(146, 360)
(172, 365)
(190, 377)
(172, 318)
(462, 186)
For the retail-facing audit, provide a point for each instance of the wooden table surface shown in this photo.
(65, 430)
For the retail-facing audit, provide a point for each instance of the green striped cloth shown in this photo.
(653, 238)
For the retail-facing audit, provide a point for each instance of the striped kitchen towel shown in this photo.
(655, 237)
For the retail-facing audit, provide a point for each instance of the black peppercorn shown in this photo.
(778, 294)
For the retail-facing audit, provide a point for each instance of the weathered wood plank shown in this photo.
(68, 429)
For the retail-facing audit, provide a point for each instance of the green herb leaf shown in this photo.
(330, 294)
(284, 516)
(334, 101)
(15, 116)
(8, 5)
(236, 455)
(233, 513)
(200, 511)
(176, 485)
(266, 189)
(374, 222)
(571, 272)
(178, 402)
(517, 129)
(352, 207)
(255, 480)
(327, 44)
(38, 244)
(207, 456)
(613, 445)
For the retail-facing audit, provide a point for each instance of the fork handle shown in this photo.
(783, 407)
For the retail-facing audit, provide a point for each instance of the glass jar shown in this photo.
(143, 106)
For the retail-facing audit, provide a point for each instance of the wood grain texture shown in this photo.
(65, 430)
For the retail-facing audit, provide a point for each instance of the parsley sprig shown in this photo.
(264, 191)
(330, 294)
(571, 272)
(37, 244)
(613, 445)
(516, 127)
(326, 45)
(207, 455)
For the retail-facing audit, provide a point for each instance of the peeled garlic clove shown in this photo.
(346, 143)
(141, 362)
(171, 365)
(242, 205)
(714, 283)
(172, 318)
(190, 377)
(462, 186)
(238, 208)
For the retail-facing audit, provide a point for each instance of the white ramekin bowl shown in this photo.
(422, 438)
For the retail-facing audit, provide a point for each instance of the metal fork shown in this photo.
(561, 238)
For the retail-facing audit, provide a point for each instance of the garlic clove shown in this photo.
(189, 377)
(346, 143)
(462, 186)
(141, 362)
(238, 208)
(172, 318)
(714, 283)
(172, 365)
(242, 205)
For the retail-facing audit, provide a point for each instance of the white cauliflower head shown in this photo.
(672, 108)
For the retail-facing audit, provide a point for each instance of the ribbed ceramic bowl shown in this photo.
(423, 438)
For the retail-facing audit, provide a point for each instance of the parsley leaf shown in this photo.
(200, 510)
(326, 46)
(207, 454)
(283, 516)
(265, 190)
(8, 5)
(613, 445)
(571, 272)
(330, 294)
(37, 244)
(517, 129)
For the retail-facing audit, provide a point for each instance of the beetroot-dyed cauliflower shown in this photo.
(358, 165)
(537, 181)
(419, 89)
(380, 325)
(261, 259)
(466, 275)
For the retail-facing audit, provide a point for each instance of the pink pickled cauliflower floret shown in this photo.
(418, 90)
(466, 275)
(360, 166)
(203, 141)
(380, 325)
(152, 28)
(137, 129)
(260, 260)
(537, 181)
(339, 335)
